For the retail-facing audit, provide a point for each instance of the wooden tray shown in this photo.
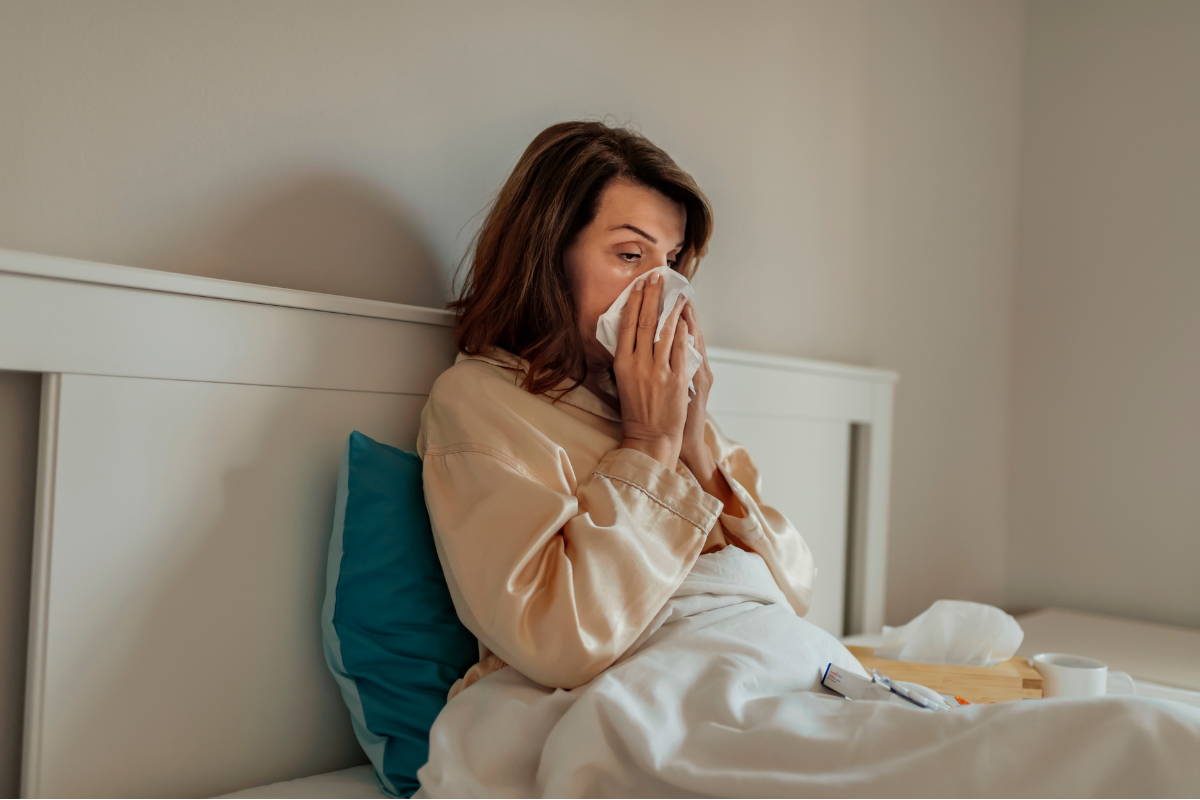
(1014, 679)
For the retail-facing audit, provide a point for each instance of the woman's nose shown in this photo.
(650, 263)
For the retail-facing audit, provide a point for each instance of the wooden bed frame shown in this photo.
(190, 435)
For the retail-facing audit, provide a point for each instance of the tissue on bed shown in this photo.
(954, 632)
(674, 285)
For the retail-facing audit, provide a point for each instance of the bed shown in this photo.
(190, 437)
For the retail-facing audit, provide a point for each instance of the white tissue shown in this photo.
(954, 632)
(674, 285)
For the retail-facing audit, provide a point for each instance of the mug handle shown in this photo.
(1120, 683)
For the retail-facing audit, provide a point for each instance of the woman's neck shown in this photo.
(594, 383)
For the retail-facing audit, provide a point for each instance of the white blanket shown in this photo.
(722, 697)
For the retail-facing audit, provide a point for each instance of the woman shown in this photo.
(565, 515)
(570, 522)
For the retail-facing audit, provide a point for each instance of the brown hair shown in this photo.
(516, 295)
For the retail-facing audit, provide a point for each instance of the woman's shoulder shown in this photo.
(473, 378)
(479, 400)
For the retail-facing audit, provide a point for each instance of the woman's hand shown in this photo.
(693, 449)
(652, 376)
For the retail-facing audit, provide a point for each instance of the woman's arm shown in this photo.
(713, 481)
(726, 471)
(559, 583)
(558, 574)
(763, 529)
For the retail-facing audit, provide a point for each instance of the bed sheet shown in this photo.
(359, 781)
(722, 697)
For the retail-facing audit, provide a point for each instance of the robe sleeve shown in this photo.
(763, 529)
(559, 580)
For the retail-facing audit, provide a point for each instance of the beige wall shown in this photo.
(944, 103)
(861, 157)
(1106, 467)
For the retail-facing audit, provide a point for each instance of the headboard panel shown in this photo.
(52, 323)
(190, 437)
(182, 573)
(821, 435)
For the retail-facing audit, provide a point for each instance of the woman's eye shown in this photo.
(631, 256)
(672, 262)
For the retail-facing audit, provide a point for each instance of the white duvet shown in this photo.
(721, 696)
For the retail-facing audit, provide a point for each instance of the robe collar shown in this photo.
(580, 396)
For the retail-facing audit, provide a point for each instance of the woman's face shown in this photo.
(635, 230)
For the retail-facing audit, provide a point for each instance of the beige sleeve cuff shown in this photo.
(747, 528)
(677, 492)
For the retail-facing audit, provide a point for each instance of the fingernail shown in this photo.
(654, 278)
(637, 287)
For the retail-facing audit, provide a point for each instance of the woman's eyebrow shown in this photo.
(640, 232)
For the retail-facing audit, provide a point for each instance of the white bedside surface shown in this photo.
(1162, 654)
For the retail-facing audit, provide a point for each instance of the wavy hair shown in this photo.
(516, 294)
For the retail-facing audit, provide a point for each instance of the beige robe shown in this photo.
(559, 546)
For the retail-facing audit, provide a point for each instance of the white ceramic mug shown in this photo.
(1074, 676)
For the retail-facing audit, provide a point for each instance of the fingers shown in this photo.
(679, 347)
(689, 314)
(627, 333)
(648, 317)
(663, 347)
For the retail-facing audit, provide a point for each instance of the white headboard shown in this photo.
(191, 431)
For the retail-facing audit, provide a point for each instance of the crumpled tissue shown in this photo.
(674, 285)
(954, 632)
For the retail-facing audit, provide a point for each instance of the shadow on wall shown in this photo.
(329, 233)
(20, 399)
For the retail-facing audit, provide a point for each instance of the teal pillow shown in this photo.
(392, 638)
